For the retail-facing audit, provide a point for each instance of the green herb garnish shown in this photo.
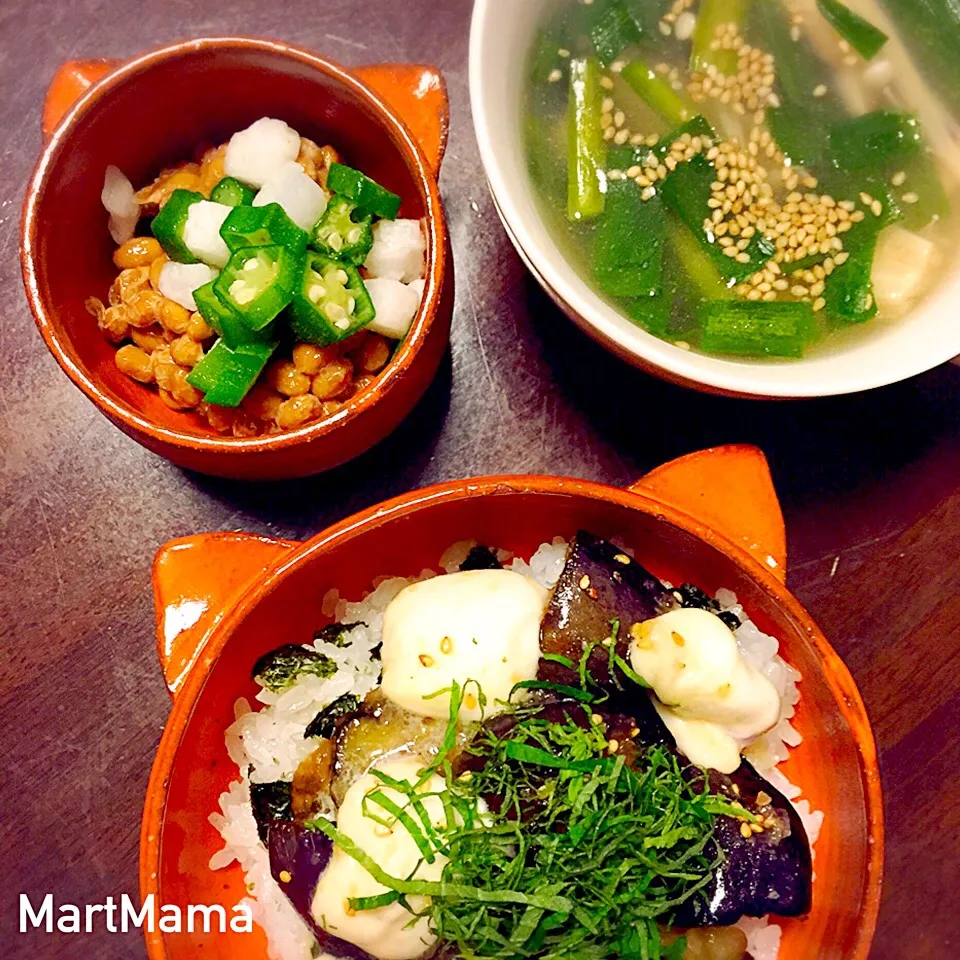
(586, 850)
(337, 633)
(280, 669)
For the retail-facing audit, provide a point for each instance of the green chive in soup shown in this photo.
(753, 178)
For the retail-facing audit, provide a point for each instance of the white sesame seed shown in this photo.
(685, 25)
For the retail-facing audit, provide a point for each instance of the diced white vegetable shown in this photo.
(302, 198)
(398, 250)
(901, 269)
(179, 280)
(254, 155)
(201, 232)
(396, 305)
(121, 203)
(418, 285)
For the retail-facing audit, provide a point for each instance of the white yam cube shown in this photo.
(398, 251)
(396, 305)
(121, 203)
(902, 268)
(418, 285)
(201, 232)
(302, 198)
(254, 155)
(179, 280)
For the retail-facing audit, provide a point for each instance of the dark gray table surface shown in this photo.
(869, 488)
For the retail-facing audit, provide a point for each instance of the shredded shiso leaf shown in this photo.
(584, 856)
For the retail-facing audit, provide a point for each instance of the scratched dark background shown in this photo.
(869, 487)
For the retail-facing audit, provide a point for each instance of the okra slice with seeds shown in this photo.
(331, 302)
(225, 321)
(262, 226)
(341, 236)
(258, 283)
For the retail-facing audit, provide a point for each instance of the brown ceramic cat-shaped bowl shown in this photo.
(713, 518)
(141, 116)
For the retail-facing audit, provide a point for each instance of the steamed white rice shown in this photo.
(268, 744)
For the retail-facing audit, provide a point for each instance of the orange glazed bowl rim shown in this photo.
(45, 314)
(835, 672)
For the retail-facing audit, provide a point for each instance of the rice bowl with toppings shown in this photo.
(296, 791)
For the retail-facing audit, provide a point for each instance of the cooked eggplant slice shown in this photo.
(769, 872)
(324, 723)
(766, 873)
(311, 788)
(600, 587)
(298, 857)
(377, 728)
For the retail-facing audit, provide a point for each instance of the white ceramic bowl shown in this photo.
(880, 353)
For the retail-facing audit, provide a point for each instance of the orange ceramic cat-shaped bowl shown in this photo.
(713, 518)
(154, 111)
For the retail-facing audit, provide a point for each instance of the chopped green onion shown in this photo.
(628, 252)
(712, 15)
(586, 150)
(756, 329)
(875, 140)
(862, 35)
(612, 32)
(675, 107)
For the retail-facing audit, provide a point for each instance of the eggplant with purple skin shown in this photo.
(600, 594)
(600, 586)
(298, 857)
(768, 872)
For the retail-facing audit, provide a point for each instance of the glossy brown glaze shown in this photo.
(155, 110)
(868, 484)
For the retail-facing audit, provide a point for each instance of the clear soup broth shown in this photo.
(751, 178)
